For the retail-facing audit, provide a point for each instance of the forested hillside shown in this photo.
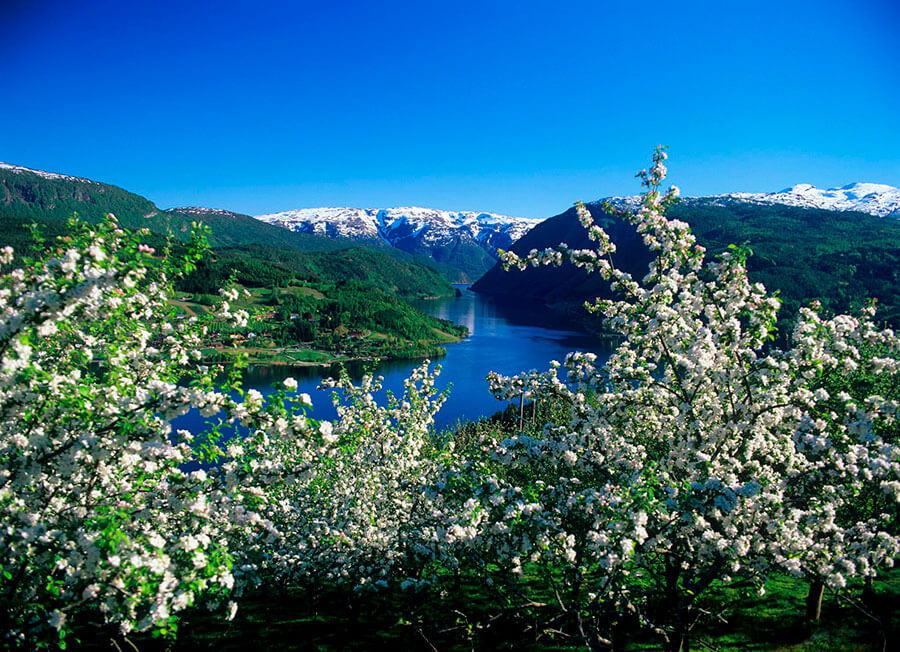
(840, 258)
(311, 298)
(262, 266)
(48, 199)
(52, 197)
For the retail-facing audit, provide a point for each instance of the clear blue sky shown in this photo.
(514, 107)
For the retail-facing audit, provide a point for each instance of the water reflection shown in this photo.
(504, 336)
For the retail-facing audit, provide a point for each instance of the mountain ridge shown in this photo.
(19, 169)
(253, 247)
(877, 199)
(26, 193)
(382, 222)
(468, 240)
(840, 258)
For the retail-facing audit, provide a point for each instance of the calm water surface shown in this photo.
(504, 337)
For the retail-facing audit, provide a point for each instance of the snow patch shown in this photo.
(200, 211)
(427, 225)
(874, 198)
(18, 169)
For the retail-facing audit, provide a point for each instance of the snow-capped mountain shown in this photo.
(877, 199)
(393, 225)
(873, 198)
(202, 212)
(18, 169)
(465, 240)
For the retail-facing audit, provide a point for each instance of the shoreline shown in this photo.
(281, 361)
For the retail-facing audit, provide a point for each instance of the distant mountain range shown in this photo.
(799, 228)
(876, 199)
(872, 198)
(466, 240)
(469, 241)
(461, 245)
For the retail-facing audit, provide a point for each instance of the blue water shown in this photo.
(504, 337)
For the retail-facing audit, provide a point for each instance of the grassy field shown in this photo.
(471, 617)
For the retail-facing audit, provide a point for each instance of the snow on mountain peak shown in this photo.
(18, 169)
(200, 211)
(860, 190)
(800, 188)
(429, 225)
(873, 198)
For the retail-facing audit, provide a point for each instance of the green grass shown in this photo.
(472, 617)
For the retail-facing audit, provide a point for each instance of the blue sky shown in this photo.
(519, 108)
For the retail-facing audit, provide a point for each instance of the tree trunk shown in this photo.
(868, 594)
(814, 601)
(522, 412)
(678, 640)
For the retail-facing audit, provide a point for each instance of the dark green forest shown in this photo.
(263, 266)
(842, 259)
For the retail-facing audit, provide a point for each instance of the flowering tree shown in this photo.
(107, 511)
(97, 513)
(844, 512)
(698, 452)
(356, 511)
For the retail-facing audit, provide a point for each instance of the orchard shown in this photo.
(700, 455)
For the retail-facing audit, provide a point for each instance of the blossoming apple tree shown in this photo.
(97, 514)
(698, 452)
(343, 503)
(106, 510)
